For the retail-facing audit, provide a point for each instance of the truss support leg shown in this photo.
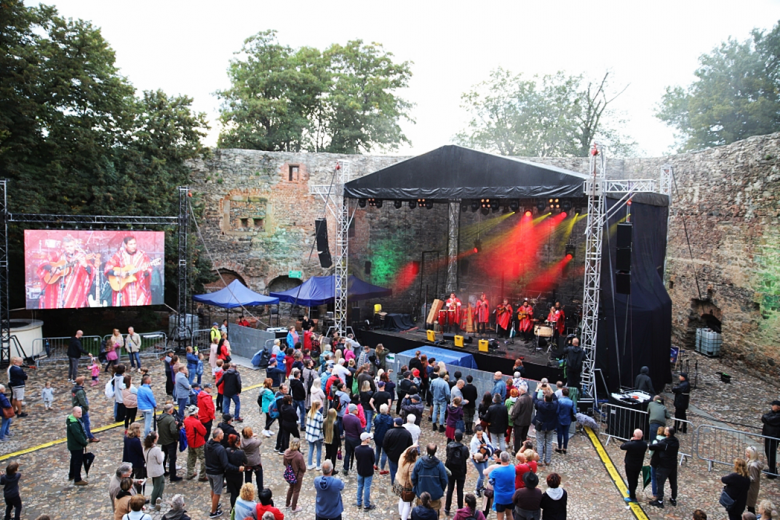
(183, 268)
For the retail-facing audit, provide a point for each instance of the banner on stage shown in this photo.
(71, 269)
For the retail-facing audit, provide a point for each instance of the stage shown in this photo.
(503, 359)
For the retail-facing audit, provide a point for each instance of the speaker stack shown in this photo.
(624, 243)
(323, 251)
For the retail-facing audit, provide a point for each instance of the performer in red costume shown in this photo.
(483, 314)
(525, 315)
(504, 318)
(561, 318)
(126, 262)
(66, 277)
(453, 306)
(553, 318)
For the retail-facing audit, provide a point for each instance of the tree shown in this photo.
(341, 100)
(736, 94)
(555, 115)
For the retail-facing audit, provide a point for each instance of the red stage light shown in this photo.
(563, 213)
(527, 213)
(476, 250)
(569, 257)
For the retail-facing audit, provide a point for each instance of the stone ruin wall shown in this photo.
(258, 224)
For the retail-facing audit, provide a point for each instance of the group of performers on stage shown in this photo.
(453, 317)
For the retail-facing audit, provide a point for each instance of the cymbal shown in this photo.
(576, 301)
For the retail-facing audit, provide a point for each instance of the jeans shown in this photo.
(10, 504)
(439, 408)
(148, 420)
(169, 452)
(73, 368)
(499, 441)
(364, 491)
(300, 407)
(653, 481)
(369, 419)
(393, 470)
(544, 442)
(226, 405)
(661, 474)
(191, 376)
(563, 436)
(653, 431)
(480, 467)
(182, 406)
(349, 452)
(318, 445)
(135, 361)
(87, 425)
(380, 456)
(5, 427)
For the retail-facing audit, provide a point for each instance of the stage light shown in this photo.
(514, 206)
(429, 204)
(464, 206)
(556, 201)
(485, 203)
(379, 203)
(566, 205)
(550, 201)
(412, 204)
(397, 204)
(564, 214)
(578, 210)
(362, 203)
(541, 205)
(477, 245)
(494, 204)
(528, 213)
(474, 205)
(570, 250)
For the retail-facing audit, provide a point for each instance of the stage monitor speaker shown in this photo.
(452, 337)
(459, 341)
(483, 345)
(623, 260)
(323, 251)
(431, 335)
(624, 235)
(623, 283)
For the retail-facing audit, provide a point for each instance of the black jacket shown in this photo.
(403, 387)
(217, 459)
(667, 452)
(297, 390)
(458, 471)
(232, 381)
(227, 429)
(288, 417)
(771, 426)
(397, 439)
(643, 381)
(682, 395)
(635, 454)
(75, 350)
(497, 418)
(16, 376)
(470, 394)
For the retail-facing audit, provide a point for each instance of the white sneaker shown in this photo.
(318, 468)
(310, 467)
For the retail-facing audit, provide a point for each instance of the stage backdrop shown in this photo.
(85, 268)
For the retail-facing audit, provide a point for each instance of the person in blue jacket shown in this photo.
(565, 415)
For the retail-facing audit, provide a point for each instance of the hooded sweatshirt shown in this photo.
(554, 504)
(643, 381)
(429, 475)
(329, 503)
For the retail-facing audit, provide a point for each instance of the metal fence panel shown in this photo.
(152, 344)
(246, 341)
(719, 445)
(56, 348)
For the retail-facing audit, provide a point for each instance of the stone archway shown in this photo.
(226, 277)
(703, 314)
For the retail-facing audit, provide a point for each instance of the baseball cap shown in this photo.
(191, 409)
(365, 435)
(398, 421)
(215, 324)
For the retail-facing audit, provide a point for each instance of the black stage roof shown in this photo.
(454, 172)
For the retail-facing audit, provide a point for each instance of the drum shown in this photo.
(443, 318)
(543, 331)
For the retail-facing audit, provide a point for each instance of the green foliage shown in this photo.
(736, 94)
(341, 100)
(555, 115)
(74, 139)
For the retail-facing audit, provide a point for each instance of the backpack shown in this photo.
(336, 403)
(109, 391)
(289, 475)
(455, 459)
(182, 439)
(273, 410)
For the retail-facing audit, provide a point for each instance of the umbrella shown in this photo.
(89, 458)
(646, 478)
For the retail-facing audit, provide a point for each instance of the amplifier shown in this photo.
(451, 337)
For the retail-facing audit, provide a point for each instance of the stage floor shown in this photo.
(538, 363)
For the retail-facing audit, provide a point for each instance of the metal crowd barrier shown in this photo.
(619, 422)
(56, 348)
(719, 445)
(152, 344)
(246, 341)
(202, 338)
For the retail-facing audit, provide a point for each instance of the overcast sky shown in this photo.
(183, 47)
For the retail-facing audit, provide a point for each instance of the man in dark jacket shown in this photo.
(397, 439)
(771, 428)
(231, 391)
(575, 356)
(75, 350)
(227, 427)
(546, 425)
(404, 385)
(413, 405)
(430, 475)
(643, 381)
(298, 392)
(216, 464)
(168, 431)
(77, 441)
(470, 395)
(635, 457)
(667, 450)
(682, 398)
(79, 398)
(522, 412)
(497, 418)
(457, 462)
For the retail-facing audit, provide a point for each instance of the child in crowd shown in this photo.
(194, 391)
(199, 371)
(47, 395)
(10, 481)
(95, 369)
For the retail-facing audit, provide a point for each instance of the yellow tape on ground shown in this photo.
(613, 473)
(94, 430)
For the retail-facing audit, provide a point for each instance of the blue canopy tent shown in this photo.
(234, 295)
(321, 289)
(450, 357)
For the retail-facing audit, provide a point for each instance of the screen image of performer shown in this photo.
(483, 314)
(504, 318)
(66, 276)
(453, 305)
(129, 272)
(525, 315)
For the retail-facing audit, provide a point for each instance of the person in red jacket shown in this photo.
(196, 439)
(206, 412)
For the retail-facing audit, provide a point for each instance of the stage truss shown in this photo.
(181, 221)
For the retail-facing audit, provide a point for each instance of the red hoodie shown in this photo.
(196, 432)
(205, 408)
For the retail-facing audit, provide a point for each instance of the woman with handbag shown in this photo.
(735, 490)
(295, 468)
(403, 481)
